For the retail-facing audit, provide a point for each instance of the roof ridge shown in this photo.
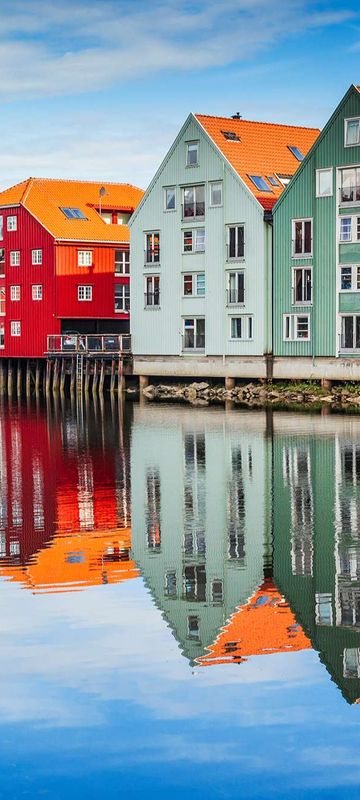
(86, 180)
(15, 185)
(257, 122)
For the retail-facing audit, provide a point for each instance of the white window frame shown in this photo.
(37, 291)
(2, 263)
(195, 319)
(2, 301)
(355, 277)
(293, 328)
(2, 336)
(195, 234)
(85, 258)
(36, 257)
(303, 220)
(354, 228)
(11, 223)
(212, 184)
(15, 328)
(14, 258)
(296, 302)
(319, 172)
(247, 323)
(151, 247)
(123, 262)
(346, 122)
(123, 298)
(194, 276)
(85, 293)
(194, 146)
(237, 274)
(169, 189)
(323, 599)
(1, 228)
(15, 293)
(353, 316)
(149, 280)
(236, 226)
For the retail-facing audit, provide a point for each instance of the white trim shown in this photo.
(246, 318)
(293, 329)
(317, 175)
(351, 119)
(302, 255)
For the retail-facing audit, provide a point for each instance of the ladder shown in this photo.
(79, 372)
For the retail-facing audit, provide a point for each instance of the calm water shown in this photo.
(180, 603)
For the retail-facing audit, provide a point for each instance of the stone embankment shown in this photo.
(256, 394)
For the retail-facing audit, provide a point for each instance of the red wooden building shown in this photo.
(64, 261)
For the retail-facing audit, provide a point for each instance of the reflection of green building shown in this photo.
(200, 514)
(316, 485)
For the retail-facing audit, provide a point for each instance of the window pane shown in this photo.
(192, 154)
(307, 287)
(216, 194)
(298, 285)
(345, 229)
(240, 288)
(200, 333)
(357, 332)
(187, 284)
(347, 329)
(325, 182)
(307, 226)
(188, 241)
(232, 237)
(346, 278)
(200, 240)
(302, 327)
(352, 131)
(298, 237)
(236, 327)
(170, 198)
(200, 284)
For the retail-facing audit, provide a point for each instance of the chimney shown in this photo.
(236, 116)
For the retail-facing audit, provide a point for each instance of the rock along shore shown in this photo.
(200, 393)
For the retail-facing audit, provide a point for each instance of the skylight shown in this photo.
(73, 213)
(260, 183)
(296, 152)
(231, 136)
(272, 180)
(284, 179)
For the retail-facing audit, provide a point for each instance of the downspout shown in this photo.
(269, 294)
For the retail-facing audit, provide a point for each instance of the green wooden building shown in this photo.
(316, 298)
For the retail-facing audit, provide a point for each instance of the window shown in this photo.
(323, 609)
(236, 288)
(349, 229)
(37, 292)
(194, 241)
(170, 584)
(284, 179)
(194, 285)
(350, 278)
(260, 183)
(231, 136)
(193, 627)
(122, 297)
(302, 237)
(2, 335)
(152, 291)
(194, 202)
(12, 223)
(351, 662)
(216, 193)
(235, 246)
(2, 261)
(241, 327)
(350, 332)
(85, 258)
(73, 213)
(352, 132)
(1, 228)
(296, 152)
(122, 262)
(217, 591)
(194, 334)
(350, 185)
(84, 293)
(36, 257)
(15, 293)
(152, 248)
(170, 198)
(2, 301)
(296, 327)
(192, 154)
(302, 288)
(14, 258)
(324, 182)
(272, 180)
(15, 328)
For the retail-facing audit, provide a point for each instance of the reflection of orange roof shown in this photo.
(263, 149)
(44, 198)
(74, 561)
(263, 626)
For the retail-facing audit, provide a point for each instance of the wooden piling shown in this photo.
(95, 377)
(37, 377)
(55, 385)
(2, 377)
(62, 376)
(72, 376)
(48, 378)
(28, 379)
(10, 378)
(102, 377)
(112, 377)
(18, 378)
(121, 377)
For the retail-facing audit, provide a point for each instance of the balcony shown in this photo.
(152, 300)
(193, 211)
(61, 344)
(349, 194)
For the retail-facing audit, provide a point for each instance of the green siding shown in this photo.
(349, 302)
(349, 254)
(300, 201)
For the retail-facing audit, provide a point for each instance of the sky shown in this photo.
(98, 89)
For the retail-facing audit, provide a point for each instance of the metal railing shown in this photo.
(235, 297)
(193, 210)
(349, 194)
(152, 299)
(89, 343)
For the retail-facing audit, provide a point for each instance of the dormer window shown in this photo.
(352, 132)
(73, 213)
(296, 152)
(260, 183)
(231, 136)
(192, 154)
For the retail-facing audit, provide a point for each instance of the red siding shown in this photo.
(101, 276)
(35, 316)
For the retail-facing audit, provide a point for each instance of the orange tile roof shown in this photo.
(44, 198)
(263, 626)
(263, 150)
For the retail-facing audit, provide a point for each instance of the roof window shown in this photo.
(231, 136)
(260, 183)
(272, 180)
(296, 152)
(284, 179)
(73, 213)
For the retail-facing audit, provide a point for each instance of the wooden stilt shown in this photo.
(18, 378)
(121, 377)
(72, 375)
(102, 376)
(62, 376)
(48, 378)
(28, 379)
(87, 376)
(112, 377)
(10, 378)
(55, 385)
(95, 377)
(37, 377)
(2, 377)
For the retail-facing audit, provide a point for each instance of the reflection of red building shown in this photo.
(263, 626)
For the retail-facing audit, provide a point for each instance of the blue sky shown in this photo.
(99, 89)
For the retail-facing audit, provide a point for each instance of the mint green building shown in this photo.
(316, 298)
